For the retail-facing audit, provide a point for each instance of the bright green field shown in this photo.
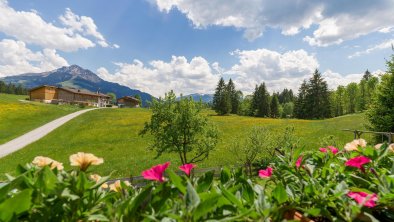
(113, 135)
(17, 118)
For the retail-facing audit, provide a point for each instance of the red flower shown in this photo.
(333, 149)
(358, 162)
(323, 150)
(367, 200)
(267, 173)
(298, 162)
(156, 172)
(187, 168)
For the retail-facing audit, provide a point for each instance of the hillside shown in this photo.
(19, 116)
(74, 77)
(113, 135)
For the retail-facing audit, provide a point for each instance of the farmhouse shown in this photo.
(56, 95)
(128, 101)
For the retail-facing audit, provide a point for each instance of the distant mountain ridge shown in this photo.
(206, 98)
(77, 77)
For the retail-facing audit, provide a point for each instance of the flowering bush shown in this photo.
(326, 185)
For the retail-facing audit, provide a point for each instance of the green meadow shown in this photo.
(113, 135)
(19, 116)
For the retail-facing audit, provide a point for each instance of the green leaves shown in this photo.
(279, 194)
(15, 205)
(192, 199)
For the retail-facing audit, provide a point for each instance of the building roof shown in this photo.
(130, 98)
(76, 91)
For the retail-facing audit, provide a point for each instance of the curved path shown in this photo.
(36, 134)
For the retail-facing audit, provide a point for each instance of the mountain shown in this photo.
(75, 77)
(206, 98)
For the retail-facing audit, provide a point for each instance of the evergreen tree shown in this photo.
(300, 103)
(3, 87)
(261, 101)
(317, 99)
(367, 75)
(235, 96)
(381, 112)
(274, 107)
(221, 99)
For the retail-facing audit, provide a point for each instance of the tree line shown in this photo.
(11, 88)
(313, 101)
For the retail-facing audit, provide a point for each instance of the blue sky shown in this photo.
(185, 45)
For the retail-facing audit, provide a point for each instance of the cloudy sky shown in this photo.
(187, 45)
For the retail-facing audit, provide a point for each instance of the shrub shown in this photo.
(327, 185)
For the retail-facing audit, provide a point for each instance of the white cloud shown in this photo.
(82, 24)
(383, 45)
(336, 20)
(29, 27)
(276, 69)
(158, 76)
(15, 58)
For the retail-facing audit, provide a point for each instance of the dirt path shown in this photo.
(36, 134)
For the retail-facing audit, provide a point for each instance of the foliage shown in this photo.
(261, 101)
(323, 186)
(11, 88)
(138, 96)
(313, 99)
(222, 99)
(113, 97)
(179, 127)
(287, 110)
(381, 112)
(274, 107)
(252, 146)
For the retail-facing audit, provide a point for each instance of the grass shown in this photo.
(113, 135)
(19, 116)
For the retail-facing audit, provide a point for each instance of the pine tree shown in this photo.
(300, 103)
(221, 99)
(235, 96)
(261, 101)
(317, 99)
(274, 106)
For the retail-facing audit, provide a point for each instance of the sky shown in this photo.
(187, 45)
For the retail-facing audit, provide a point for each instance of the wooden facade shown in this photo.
(53, 94)
(128, 102)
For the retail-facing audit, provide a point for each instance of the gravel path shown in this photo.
(36, 134)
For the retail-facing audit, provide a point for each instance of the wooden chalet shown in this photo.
(59, 95)
(128, 102)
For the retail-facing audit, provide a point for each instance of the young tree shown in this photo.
(248, 148)
(288, 110)
(179, 127)
(235, 96)
(222, 99)
(381, 112)
(352, 97)
(113, 97)
(274, 107)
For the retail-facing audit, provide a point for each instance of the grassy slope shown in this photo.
(113, 135)
(17, 118)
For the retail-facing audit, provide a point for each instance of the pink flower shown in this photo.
(358, 162)
(323, 150)
(298, 163)
(367, 200)
(333, 149)
(187, 168)
(267, 173)
(156, 172)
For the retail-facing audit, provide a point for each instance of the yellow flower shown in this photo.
(116, 186)
(84, 160)
(96, 178)
(355, 144)
(42, 161)
(377, 146)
